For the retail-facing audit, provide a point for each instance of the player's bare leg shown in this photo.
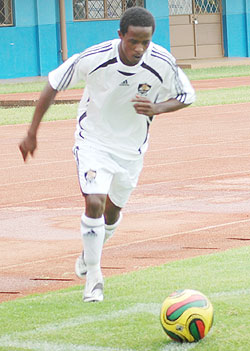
(113, 217)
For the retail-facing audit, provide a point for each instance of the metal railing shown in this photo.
(188, 7)
(6, 16)
(102, 9)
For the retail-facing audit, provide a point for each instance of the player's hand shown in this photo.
(28, 145)
(144, 106)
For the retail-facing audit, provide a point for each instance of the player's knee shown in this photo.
(112, 212)
(112, 217)
(95, 205)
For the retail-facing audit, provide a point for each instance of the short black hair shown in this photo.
(136, 16)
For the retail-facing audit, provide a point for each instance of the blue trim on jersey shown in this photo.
(152, 70)
(75, 151)
(126, 73)
(146, 138)
(181, 97)
(81, 118)
(105, 64)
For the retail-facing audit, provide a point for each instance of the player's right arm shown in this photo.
(63, 77)
(29, 143)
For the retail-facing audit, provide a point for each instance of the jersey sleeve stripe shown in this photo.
(97, 48)
(179, 85)
(181, 97)
(164, 54)
(67, 77)
(85, 54)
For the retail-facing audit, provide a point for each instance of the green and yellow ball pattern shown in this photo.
(186, 315)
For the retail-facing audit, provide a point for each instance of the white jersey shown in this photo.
(106, 116)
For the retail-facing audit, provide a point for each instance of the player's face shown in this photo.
(134, 43)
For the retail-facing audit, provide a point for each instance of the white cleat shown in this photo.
(93, 291)
(80, 267)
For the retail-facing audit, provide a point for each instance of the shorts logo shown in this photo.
(90, 175)
(143, 89)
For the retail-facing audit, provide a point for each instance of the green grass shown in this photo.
(193, 74)
(218, 72)
(9, 88)
(222, 96)
(20, 115)
(128, 319)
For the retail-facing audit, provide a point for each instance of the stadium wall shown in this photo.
(32, 47)
(236, 27)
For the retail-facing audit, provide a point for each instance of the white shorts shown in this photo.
(100, 172)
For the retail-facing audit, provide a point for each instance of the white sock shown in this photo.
(110, 228)
(93, 231)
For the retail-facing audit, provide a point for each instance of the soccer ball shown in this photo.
(186, 315)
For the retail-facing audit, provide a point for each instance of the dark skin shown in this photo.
(133, 45)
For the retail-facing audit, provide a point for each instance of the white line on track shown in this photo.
(38, 164)
(196, 145)
(139, 186)
(39, 200)
(203, 159)
(154, 165)
(151, 149)
(39, 180)
(218, 175)
(192, 231)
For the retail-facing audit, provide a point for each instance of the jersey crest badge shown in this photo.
(143, 89)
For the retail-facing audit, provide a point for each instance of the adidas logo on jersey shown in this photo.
(124, 83)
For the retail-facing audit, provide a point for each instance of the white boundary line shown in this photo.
(49, 346)
(13, 340)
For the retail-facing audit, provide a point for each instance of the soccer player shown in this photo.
(129, 80)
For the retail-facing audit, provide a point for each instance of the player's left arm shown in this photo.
(146, 107)
(177, 89)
